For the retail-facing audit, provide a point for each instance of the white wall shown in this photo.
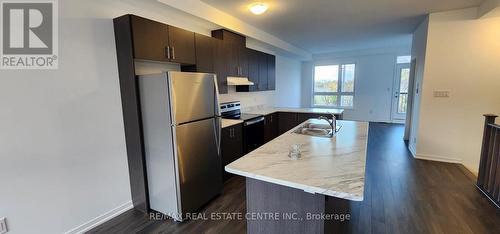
(462, 56)
(307, 84)
(374, 78)
(62, 147)
(418, 49)
(288, 82)
(63, 159)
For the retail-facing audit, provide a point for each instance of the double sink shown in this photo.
(313, 128)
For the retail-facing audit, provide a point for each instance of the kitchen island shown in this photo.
(270, 110)
(330, 172)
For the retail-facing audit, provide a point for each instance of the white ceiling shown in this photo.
(321, 26)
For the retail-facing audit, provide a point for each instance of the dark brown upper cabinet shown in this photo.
(235, 52)
(224, 54)
(271, 72)
(242, 61)
(160, 42)
(229, 37)
(263, 74)
(220, 65)
(182, 47)
(205, 53)
(253, 71)
(261, 71)
(150, 39)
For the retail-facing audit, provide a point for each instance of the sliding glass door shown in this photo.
(400, 101)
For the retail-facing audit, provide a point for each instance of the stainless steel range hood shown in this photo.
(231, 80)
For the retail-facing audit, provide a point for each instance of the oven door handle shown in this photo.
(254, 121)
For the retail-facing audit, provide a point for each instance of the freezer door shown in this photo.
(198, 162)
(193, 96)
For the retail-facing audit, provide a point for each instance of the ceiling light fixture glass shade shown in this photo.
(258, 8)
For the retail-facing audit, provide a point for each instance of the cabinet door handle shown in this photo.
(231, 132)
(173, 52)
(167, 52)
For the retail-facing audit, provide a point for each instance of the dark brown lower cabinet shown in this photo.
(231, 146)
(305, 116)
(287, 121)
(271, 127)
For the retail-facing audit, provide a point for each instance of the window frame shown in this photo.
(339, 93)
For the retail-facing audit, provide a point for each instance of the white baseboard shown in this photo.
(412, 150)
(473, 171)
(101, 218)
(438, 158)
(398, 121)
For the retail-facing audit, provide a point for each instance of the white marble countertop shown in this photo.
(330, 166)
(230, 122)
(270, 110)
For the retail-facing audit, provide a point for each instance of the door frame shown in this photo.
(395, 116)
(411, 97)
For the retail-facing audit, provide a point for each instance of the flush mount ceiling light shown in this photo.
(258, 8)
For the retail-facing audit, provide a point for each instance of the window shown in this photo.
(403, 59)
(334, 85)
(403, 90)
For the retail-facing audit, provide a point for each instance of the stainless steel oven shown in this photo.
(253, 134)
(253, 125)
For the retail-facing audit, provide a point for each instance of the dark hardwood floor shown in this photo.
(402, 195)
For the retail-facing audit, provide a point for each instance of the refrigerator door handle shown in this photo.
(218, 135)
(216, 104)
(218, 120)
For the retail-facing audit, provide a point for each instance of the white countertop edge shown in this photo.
(230, 122)
(271, 110)
(305, 188)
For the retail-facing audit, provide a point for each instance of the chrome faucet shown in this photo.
(333, 123)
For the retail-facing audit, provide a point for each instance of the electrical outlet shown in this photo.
(441, 93)
(3, 225)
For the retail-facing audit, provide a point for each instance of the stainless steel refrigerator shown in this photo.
(181, 129)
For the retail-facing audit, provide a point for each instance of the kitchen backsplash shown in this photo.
(249, 101)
